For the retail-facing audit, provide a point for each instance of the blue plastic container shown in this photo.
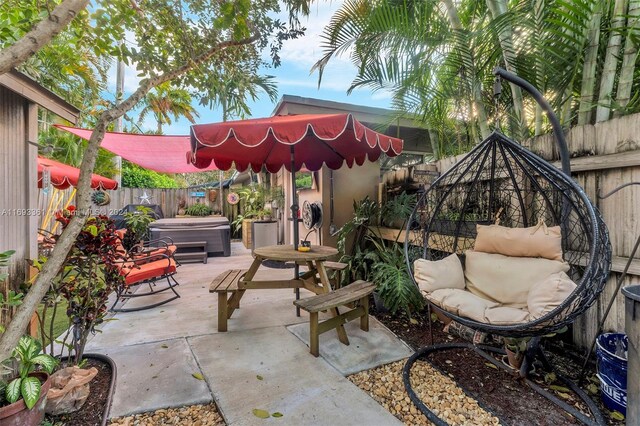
(612, 370)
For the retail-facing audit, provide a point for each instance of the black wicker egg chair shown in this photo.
(500, 181)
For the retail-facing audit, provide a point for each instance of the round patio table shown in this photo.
(288, 253)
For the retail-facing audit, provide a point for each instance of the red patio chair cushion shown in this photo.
(156, 269)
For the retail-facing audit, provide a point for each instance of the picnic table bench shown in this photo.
(358, 291)
(229, 295)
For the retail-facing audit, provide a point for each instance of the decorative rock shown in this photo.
(437, 391)
(195, 415)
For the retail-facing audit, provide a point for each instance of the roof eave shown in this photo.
(36, 93)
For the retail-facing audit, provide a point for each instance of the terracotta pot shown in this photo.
(17, 414)
(515, 359)
(181, 212)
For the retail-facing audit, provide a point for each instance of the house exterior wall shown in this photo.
(18, 174)
(349, 185)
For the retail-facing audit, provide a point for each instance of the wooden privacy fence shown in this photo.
(168, 199)
(604, 156)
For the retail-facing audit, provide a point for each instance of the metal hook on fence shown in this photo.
(607, 195)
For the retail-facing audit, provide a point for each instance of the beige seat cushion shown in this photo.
(536, 241)
(461, 302)
(433, 275)
(504, 315)
(505, 279)
(548, 294)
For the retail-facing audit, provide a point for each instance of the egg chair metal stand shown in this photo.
(501, 181)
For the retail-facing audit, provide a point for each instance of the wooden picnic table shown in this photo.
(237, 282)
(315, 279)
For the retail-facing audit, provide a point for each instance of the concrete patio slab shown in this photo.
(157, 351)
(156, 375)
(195, 312)
(366, 350)
(305, 389)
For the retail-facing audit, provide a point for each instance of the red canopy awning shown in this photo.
(63, 176)
(164, 154)
(317, 139)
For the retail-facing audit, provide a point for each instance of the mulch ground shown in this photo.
(498, 391)
(91, 412)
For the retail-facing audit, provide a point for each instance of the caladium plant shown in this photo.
(28, 356)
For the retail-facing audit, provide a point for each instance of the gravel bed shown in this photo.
(437, 391)
(194, 415)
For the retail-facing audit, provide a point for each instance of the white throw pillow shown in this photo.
(504, 315)
(548, 294)
(535, 241)
(506, 279)
(462, 302)
(432, 275)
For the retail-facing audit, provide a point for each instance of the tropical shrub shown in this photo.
(252, 198)
(198, 209)
(90, 273)
(371, 258)
(396, 211)
(137, 226)
(136, 177)
(393, 283)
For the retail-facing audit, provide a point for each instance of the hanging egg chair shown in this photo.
(502, 183)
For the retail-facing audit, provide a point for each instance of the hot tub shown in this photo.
(215, 230)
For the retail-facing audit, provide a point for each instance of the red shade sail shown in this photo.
(315, 139)
(63, 176)
(164, 154)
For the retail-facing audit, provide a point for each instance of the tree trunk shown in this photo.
(539, 18)
(630, 55)
(435, 146)
(585, 110)
(52, 266)
(476, 91)
(565, 114)
(497, 9)
(611, 61)
(40, 35)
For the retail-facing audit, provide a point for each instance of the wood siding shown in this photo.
(15, 233)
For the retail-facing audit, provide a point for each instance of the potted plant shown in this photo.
(23, 398)
(252, 199)
(265, 214)
(515, 349)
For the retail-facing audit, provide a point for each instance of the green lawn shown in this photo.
(60, 322)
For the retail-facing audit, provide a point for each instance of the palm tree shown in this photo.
(166, 101)
(437, 58)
